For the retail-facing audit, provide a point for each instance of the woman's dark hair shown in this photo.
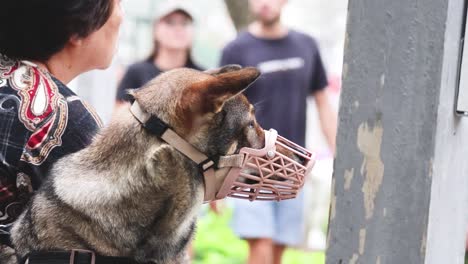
(37, 29)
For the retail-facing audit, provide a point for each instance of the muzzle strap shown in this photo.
(161, 129)
(187, 149)
(206, 165)
(236, 160)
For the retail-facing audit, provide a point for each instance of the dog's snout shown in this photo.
(300, 159)
(251, 181)
(296, 154)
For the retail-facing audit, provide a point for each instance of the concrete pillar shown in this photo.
(401, 169)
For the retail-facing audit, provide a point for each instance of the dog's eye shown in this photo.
(251, 124)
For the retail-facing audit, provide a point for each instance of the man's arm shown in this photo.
(327, 116)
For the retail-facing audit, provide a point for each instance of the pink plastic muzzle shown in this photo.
(276, 172)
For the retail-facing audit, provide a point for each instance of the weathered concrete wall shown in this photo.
(396, 135)
(448, 209)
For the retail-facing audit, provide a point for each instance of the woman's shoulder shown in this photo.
(39, 105)
(38, 93)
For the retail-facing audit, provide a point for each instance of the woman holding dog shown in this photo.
(44, 44)
(172, 43)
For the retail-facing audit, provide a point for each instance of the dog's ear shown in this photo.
(210, 95)
(224, 69)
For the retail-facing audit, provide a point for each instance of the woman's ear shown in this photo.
(75, 40)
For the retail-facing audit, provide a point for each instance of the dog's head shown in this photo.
(206, 108)
(209, 111)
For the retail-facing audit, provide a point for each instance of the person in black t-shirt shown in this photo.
(173, 37)
(291, 70)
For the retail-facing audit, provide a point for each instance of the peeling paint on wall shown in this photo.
(333, 201)
(345, 69)
(422, 250)
(354, 259)
(369, 141)
(348, 178)
(362, 240)
(431, 167)
(356, 104)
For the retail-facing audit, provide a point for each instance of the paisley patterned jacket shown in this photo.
(41, 120)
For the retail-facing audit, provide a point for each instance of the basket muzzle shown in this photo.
(275, 172)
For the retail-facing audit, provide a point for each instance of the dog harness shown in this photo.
(76, 257)
(253, 174)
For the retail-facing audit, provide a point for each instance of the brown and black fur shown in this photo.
(129, 193)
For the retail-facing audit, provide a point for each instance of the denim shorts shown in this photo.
(283, 222)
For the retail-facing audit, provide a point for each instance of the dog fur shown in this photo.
(130, 194)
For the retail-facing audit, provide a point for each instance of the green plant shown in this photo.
(215, 243)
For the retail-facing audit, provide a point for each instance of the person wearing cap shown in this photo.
(172, 43)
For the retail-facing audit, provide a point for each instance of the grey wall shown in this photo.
(399, 145)
(448, 209)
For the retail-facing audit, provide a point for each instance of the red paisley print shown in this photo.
(43, 111)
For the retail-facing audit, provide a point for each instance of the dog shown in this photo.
(129, 193)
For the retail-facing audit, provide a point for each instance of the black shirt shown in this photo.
(291, 70)
(139, 74)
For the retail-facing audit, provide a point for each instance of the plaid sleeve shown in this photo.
(33, 119)
(12, 140)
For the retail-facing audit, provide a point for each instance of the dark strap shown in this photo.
(156, 126)
(152, 123)
(75, 257)
(5, 235)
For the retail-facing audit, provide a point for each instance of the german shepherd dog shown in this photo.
(129, 193)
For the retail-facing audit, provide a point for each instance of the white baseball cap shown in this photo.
(171, 6)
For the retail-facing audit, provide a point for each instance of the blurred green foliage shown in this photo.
(215, 243)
